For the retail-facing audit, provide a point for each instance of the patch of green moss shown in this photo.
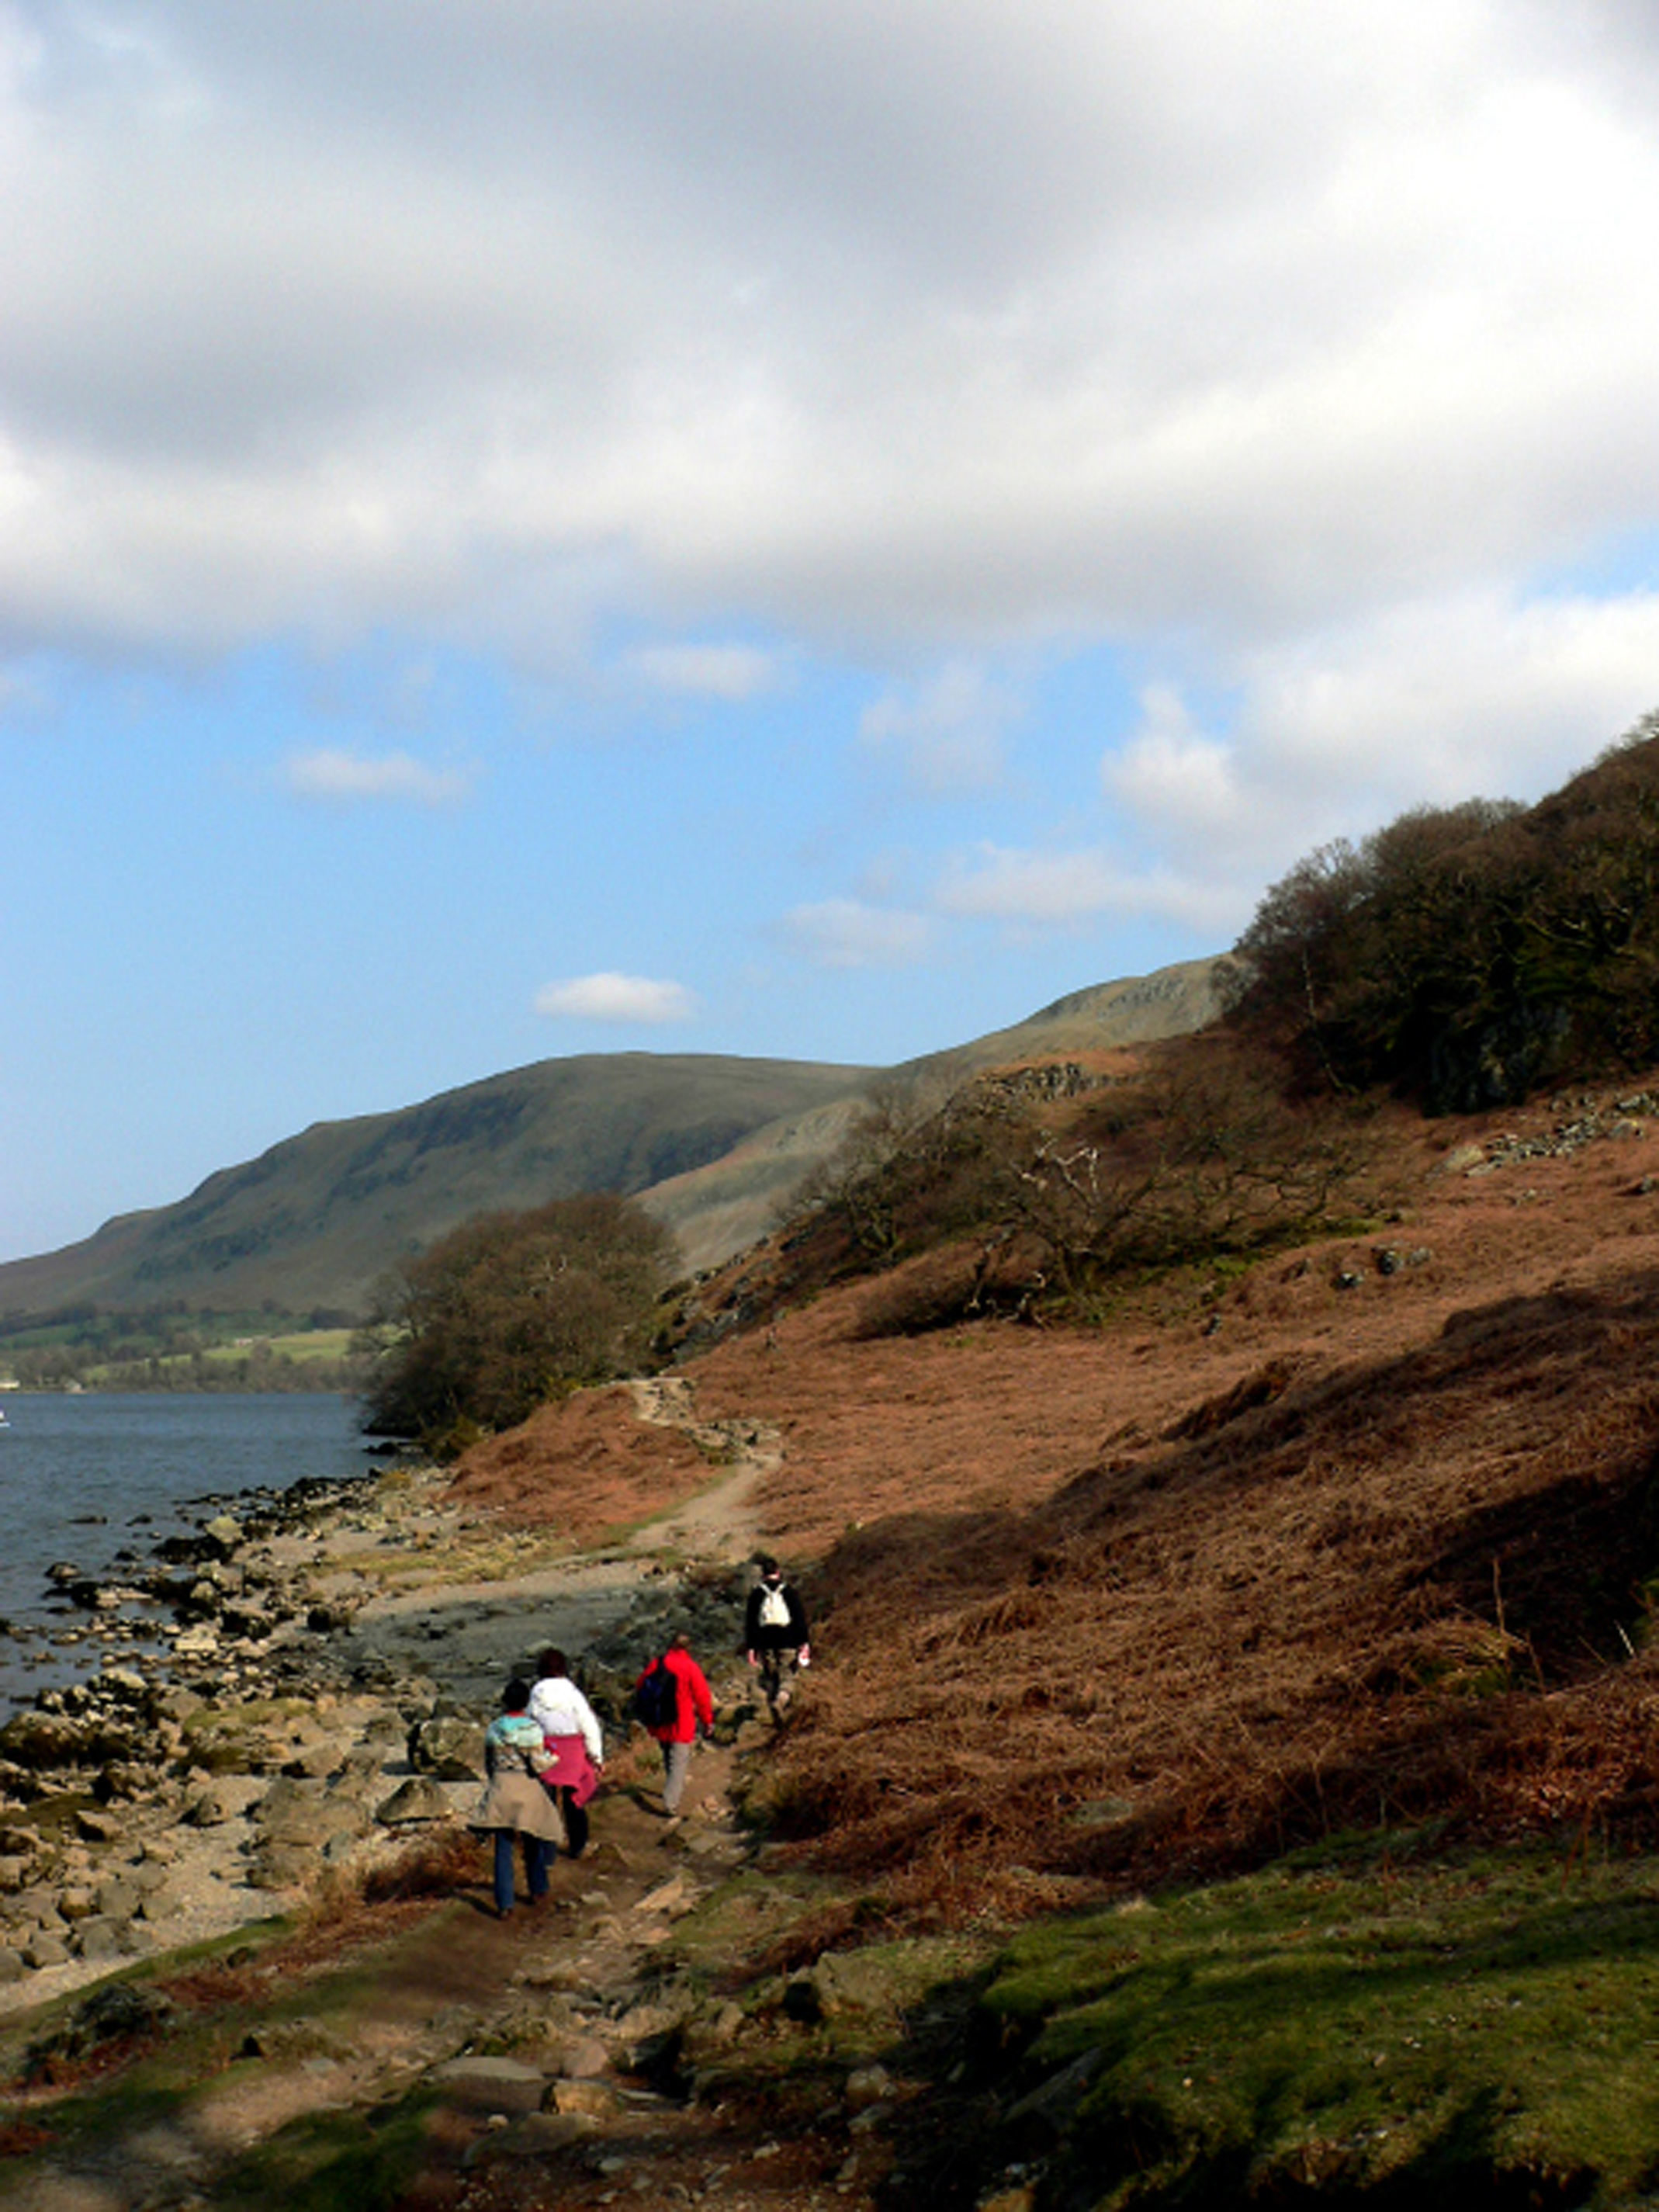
(1410, 2030)
(332, 2161)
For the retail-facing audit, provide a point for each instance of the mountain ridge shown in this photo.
(711, 1143)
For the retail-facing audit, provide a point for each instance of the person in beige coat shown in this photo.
(516, 1802)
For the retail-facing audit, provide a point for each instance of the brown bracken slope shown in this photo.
(1362, 1537)
(586, 1467)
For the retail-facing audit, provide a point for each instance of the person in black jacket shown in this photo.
(775, 1631)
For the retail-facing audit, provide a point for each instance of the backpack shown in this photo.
(773, 1608)
(657, 1700)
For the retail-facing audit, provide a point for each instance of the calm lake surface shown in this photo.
(82, 1477)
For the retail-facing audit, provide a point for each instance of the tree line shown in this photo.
(1468, 954)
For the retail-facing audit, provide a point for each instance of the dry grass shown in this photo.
(1359, 1536)
(585, 1465)
(1138, 1602)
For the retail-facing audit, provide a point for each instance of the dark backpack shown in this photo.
(657, 1700)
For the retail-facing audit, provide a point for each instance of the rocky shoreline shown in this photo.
(322, 1662)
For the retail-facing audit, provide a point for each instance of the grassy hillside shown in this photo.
(718, 1210)
(716, 1143)
(314, 1221)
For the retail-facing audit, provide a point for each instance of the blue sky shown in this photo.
(807, 531)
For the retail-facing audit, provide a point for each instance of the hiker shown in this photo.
(575, 1747)
(693, 1709)
(775, 1631)
(515, 1802)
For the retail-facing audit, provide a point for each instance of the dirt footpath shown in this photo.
(532, 2062)
(596, 2049)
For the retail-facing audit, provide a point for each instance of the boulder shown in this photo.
(867, 2085)
(843, 1982)
(116, 1898)
(247, 1618)
(100, 1939)
(223, 1534)
(503, 2073)
(588, 2101)
(305, 1813)
(210, 1808)
(34, 1740)
(418, 1799)
(446, 1747)
(290, 2039)
(581, 2058)
(281, 1866)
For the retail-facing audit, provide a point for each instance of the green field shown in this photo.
(303, 1346)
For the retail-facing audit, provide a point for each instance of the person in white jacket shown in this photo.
(574, 1743)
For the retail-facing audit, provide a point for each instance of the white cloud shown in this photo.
(1290, 346)
(613, 997)
(338, 778)
(732, 673)
(948, 734)
(848, 934)
(1032, 891)
(1481, 693)
(939, 327)
(1476, 692)
(1171, 774)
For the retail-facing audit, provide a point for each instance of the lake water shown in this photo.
(80, 1472)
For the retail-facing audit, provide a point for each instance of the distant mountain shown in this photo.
(717, 1210)
(312, 1222)
(712, 1144)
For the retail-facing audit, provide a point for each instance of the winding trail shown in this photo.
(573, 1989)
(719, 1522)
(469, 1636)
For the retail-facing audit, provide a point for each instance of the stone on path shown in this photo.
(418, 1799)
(507, 2070)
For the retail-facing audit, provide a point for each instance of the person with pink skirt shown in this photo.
(575, 1745)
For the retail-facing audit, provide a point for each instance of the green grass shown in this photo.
(332, 2162)
(1402, 2030)
(307, 1348)
(301, 1345)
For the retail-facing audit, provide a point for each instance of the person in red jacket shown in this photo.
(696, 1708)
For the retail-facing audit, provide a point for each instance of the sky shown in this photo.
(787, 527)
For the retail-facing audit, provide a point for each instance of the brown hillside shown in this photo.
(585, 1465)
(1237, 1570)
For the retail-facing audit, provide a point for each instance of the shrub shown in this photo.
(1000, 1205)
(510, 1310)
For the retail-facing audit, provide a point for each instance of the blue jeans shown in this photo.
(537, 1854)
